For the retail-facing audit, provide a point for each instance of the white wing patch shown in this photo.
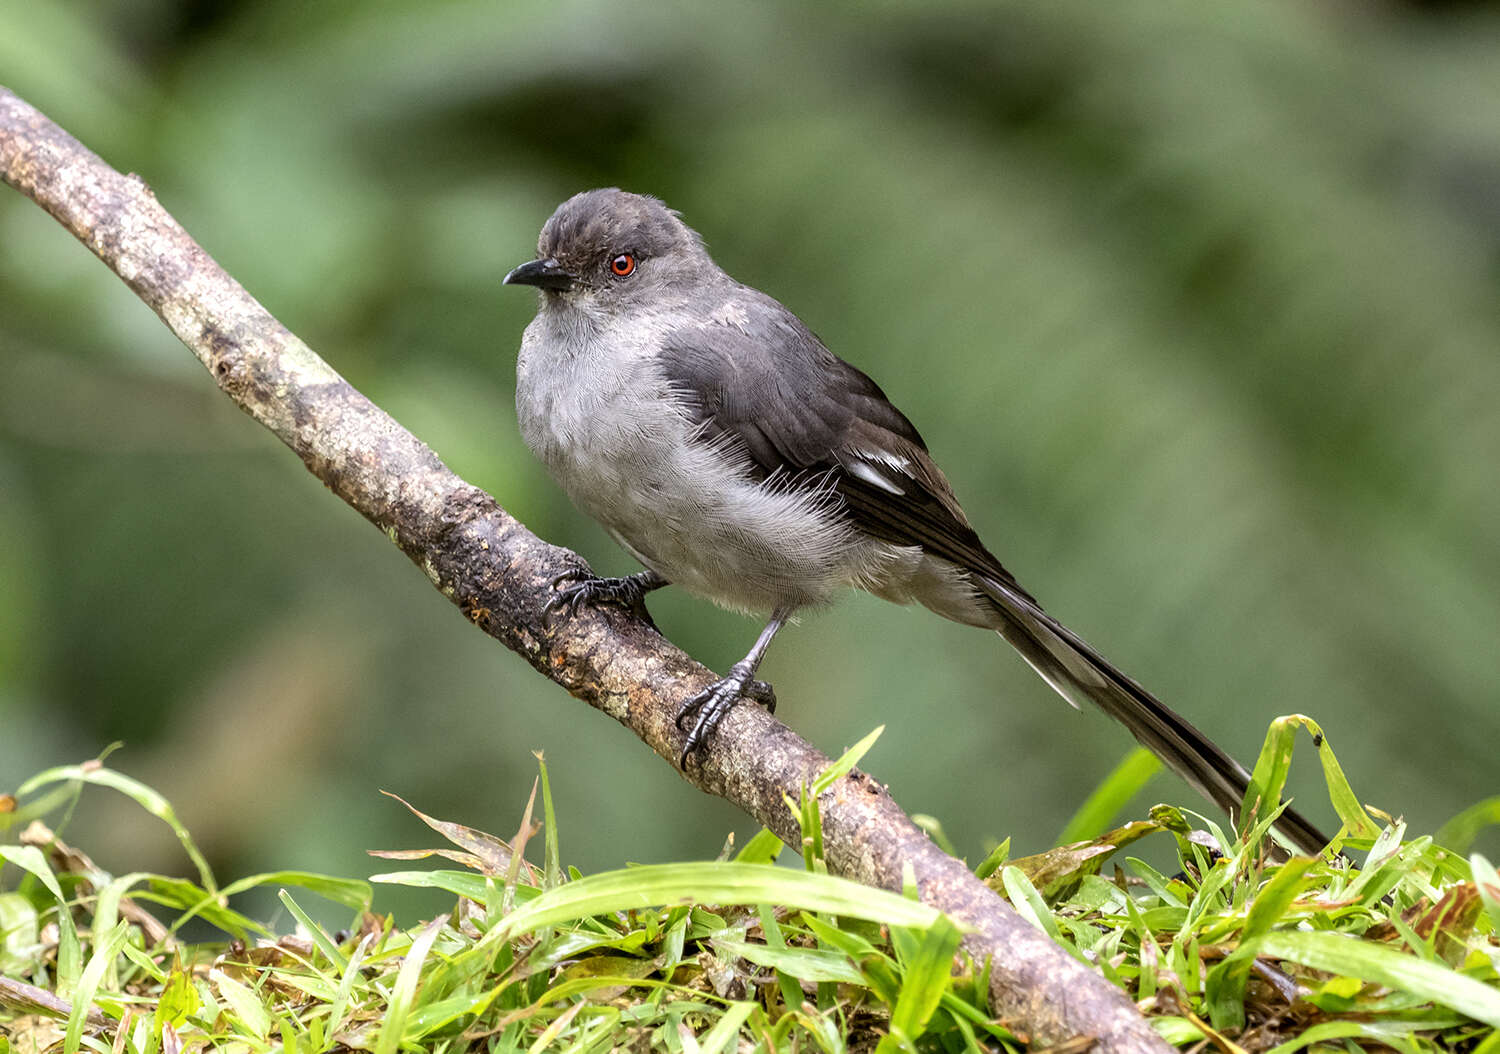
(886, 457)
(863, 464)
(867, 472)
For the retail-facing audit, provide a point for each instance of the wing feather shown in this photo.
(803, 417)
(799, 412)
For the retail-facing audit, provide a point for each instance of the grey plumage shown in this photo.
(717, 440)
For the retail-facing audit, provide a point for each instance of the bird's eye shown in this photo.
(623, 265)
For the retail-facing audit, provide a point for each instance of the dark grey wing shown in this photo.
(761, 383)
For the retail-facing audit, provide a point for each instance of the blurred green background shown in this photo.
(1196, 303)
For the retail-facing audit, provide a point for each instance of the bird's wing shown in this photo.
(757, 381)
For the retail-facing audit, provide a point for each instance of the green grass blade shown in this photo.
(31, 859)
(711, 883)
(318, 935)
(1029, 903)
(1225, 985)
(245, 1003)
(927, 977)
(196, 903)
(430, 1017)
(1276, 896)
(107, 903)
(459, 883)
(1369, 961)
(1458, 834)
(851, 757)
(991, 863)
(1356, 821)
(69, 955)
(726, 1030)
(791, 992)
(138, 792)
(552, 873)
(763, 848)
(22, 814)
(107, 911)
(350, 892)
(933, 828)
(1387, 1034)
(346, 984)
(405, 991)
(1111, 796)
(811, 823)
(1488, 883)
(852, 945)
(1158, 882)
(1268, 776)
(1268, 779)
(20, 925)
(805, 964)
(178, 1000)
(88, 984)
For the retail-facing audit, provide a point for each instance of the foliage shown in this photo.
(1194, 303)
(1244, 948)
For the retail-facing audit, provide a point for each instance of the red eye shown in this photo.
(623, 265)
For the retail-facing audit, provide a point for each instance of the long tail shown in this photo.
(1080, 673)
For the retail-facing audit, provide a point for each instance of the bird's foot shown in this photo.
(762, 693)
(577, 586)
(712, 704)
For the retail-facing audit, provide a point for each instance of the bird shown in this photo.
(720, 443)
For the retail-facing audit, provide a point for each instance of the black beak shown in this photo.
(544, 274)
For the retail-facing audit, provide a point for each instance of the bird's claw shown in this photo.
(713, 703)
(566, 597)
(577, 586)
(762, 693)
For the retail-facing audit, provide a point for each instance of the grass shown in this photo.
(1239, 950)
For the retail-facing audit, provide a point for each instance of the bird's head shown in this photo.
(609, 250)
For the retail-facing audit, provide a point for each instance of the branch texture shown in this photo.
(499, 575)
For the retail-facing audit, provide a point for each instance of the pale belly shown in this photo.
(684, 508)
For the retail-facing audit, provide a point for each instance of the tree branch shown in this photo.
(499, 574)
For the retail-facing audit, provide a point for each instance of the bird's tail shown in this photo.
(1080, 673)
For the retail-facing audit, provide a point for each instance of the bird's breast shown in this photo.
(623, 446)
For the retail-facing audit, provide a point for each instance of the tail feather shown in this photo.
(1079, 673)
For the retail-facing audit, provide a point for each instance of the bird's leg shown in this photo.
(577, 587)
(711, 704)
